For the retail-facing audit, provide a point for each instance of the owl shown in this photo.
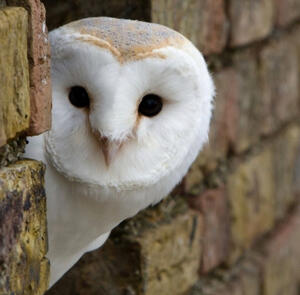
(132, 103)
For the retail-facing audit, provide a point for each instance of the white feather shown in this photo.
(86, 198)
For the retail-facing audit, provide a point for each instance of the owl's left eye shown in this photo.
(79, 97)
(150, 105)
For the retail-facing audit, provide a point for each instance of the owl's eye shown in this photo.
(150, 105)
(79, 97)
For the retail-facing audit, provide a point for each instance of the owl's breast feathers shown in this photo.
(127, 40)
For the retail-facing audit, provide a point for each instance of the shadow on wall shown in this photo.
(62, 12)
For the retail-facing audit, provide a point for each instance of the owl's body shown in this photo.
(131, 110)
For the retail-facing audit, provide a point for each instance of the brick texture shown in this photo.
(250, 20)
(259, 190)
(23, 268)
(279, 73)
(14, 80)
(39, 66)
(241, 236)
(287, 11)
(282, 252)
(250, 190)
(212, 204)
(206, 24)
(163, 251)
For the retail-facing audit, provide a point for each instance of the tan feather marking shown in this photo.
(102, 44)
(127, 40)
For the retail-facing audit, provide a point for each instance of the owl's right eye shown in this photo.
(79, 97)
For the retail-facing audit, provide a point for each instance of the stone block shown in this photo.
(250, 20)
(287, 11)
(295, 42)
(157, 252)
(280, 268)
(250, 189)
(14, 80)
(224, 131)
(213, 206)
(246, 117)
(279, 75)
(286, 165)
(224, 123)
(243, 279)
(39, 66)
(263, 96)
(23, 239)
(203, 22)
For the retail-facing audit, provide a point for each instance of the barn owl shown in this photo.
(132, 105)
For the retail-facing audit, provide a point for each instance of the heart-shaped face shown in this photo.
(131, 102)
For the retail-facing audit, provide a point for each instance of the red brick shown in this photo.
(223, 131)
(224, 123)
(238, 116)
(215, 242)
(287, 11)
(250, 20)
(202, 21)
(279, 75)
(248, 117)
(39, 63)
(282, 258)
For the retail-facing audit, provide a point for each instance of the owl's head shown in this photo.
(131, 103)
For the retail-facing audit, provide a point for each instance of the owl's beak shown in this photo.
(109, 149)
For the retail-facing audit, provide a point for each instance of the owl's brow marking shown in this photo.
(122, 58)
(125, 39)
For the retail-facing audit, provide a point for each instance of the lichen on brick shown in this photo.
(12, 151)
(23, 239)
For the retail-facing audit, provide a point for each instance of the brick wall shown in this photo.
(25, 104)
(233, 225)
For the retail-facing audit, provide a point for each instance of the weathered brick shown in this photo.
(279, 75)
(247, 114)
(225, 129)
(39, 66)
(12, 151)
(215, 241)
(224, 123)
(243, 279)
(295, 42)
(286, 151)
(193, 180)
(250, 20)
(296, 175)
(250, 189)
(155, 253)
(287, 11)
(203, 22)
(238, 116)
(282, 258)
(23, 240)
(14, 81)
